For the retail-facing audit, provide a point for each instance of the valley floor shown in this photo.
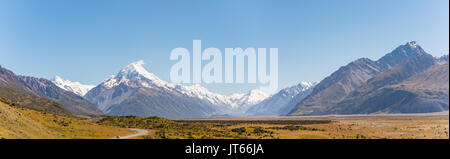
(21, 123)
(409, 126)
(404, 126)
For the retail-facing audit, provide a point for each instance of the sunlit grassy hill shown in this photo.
(23, 123)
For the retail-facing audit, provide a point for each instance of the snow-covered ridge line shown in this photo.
(135, 75)
(75, 87)
(136, 72)
(233, 101)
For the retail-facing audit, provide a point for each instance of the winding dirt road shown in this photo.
(139, 132)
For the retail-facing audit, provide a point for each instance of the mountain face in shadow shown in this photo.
(69, 100)
(41, 94)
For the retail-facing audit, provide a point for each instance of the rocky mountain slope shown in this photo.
(41, 94)
(340, 92)
(421, 93)
(337, 86)
(70, 101)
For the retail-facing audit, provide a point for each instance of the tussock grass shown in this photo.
(23, 123)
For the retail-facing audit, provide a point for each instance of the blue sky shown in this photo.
(89, 40)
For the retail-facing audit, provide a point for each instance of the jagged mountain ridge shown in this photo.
(12, 90)
(69, 100)
(235, 102)
(75, 87)
(400, 54)
(41, 94)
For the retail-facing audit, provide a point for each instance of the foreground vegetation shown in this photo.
(23, 123)
(208, 129)
(349, 127)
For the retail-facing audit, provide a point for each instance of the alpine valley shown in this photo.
(404, 94)
(407, 80)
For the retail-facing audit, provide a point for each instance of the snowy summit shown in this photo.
(75, 87)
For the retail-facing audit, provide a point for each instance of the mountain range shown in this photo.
(42, 94)
(135, 91)
(423, 92)
(365, 86)
(406, 80)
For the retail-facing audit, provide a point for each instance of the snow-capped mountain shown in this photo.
(135, 91)
(75, 87)
(282, 102)
(135, 75)
(243, 101)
